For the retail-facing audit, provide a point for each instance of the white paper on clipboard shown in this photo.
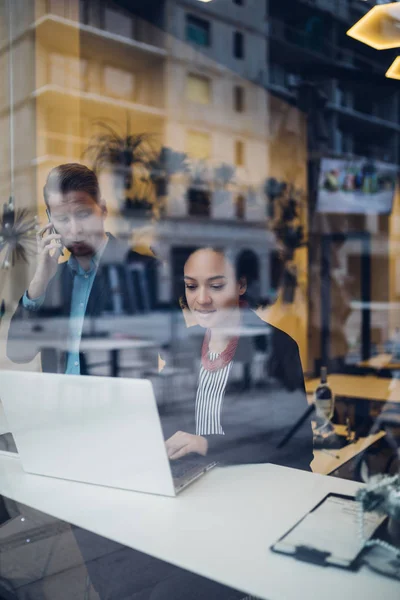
(332, 528)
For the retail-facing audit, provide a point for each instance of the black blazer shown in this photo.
(254, 418)
(57, 304)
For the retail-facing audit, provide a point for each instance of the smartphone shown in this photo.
(53, 230)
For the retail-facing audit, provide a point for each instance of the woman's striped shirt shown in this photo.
(210, 397)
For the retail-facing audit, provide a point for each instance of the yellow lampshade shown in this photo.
(394, 70)
(379, 28)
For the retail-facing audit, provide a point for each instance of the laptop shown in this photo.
(98, 430)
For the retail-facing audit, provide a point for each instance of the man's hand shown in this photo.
(49, 250)
(182, 443)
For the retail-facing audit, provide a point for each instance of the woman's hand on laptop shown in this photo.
(182, 443)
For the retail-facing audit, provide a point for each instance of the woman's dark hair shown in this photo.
(245, 266)
(71, 177)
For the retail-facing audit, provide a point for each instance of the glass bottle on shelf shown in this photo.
(396, 344)
(323, 397)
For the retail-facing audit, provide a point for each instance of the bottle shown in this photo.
(396, 344)
(323, 398)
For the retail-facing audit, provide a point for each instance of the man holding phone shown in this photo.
(75, 289)
(52, 230)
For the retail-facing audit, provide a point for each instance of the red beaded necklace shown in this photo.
(226, 356)
(222, 359)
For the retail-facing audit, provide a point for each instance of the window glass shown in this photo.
(238, 45)
(198, 145)
(118, 82)
(198, 31)
(118, 22)
(239, 98)
(239, 153)
(198, 89)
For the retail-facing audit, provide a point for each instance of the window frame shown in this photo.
(104, 90)
(194, 17)
(242, 153)
(238, 35)
(205, 134)
(239, 99)
(191, 74)
(122, 12)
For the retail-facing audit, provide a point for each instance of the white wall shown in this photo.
(220, 112)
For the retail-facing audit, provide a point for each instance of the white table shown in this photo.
(221, 527)
(112, 345)
(381, 361)
(327, 461)
(360, 387)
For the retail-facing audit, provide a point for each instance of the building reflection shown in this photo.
(259, 130)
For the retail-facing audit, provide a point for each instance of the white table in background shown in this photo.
(221, 527)
(112, 345)
(361, 388)
(327, 461)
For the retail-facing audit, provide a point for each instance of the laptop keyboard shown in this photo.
(182, 466)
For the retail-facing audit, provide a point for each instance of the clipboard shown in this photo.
(328, 535)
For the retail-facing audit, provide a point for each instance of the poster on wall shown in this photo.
(359, 186)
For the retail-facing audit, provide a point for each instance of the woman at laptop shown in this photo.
(228, 419)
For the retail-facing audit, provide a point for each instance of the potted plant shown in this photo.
(165, 171)
(138, 207)
(17, 240)
(222, 200)
(285, 220)
(273, 189)
(199, 193)
(382, 495)
(127, 156)
(254, 203)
